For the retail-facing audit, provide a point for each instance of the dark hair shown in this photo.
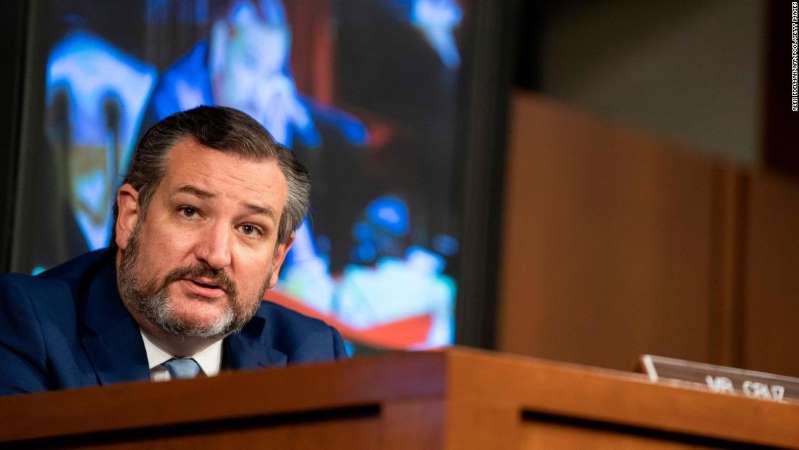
(229, 131)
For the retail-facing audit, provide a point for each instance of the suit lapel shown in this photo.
(251, 348)
(113, 343)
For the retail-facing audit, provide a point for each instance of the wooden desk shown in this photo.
(454, 399)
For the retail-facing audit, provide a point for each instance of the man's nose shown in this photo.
(214, 246)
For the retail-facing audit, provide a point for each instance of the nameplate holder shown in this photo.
(720, 379)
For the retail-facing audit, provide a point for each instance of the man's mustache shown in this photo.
(217, 276)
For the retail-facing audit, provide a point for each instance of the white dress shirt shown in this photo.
(209, 359)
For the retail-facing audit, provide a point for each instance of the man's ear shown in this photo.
(128, 216)
(280, 256)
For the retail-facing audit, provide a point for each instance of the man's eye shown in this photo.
(250, 230)
(187, 211)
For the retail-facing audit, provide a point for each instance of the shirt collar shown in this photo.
(209, 359)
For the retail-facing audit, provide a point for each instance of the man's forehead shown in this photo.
(188, 153)
(189, 163)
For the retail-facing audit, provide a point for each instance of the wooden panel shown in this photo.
(771, 313)
(729, 254)
(563, 437)
(483, 425)
(453, 400)
(608, 248)
(606, 403)
(413, 424)
(340, 434)
(336, 391)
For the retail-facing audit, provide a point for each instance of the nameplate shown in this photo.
(720, 379)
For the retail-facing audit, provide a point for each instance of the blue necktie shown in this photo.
(182, 368)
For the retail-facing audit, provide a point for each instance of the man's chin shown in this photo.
(189, 317)
(196, 327)
(207, 319)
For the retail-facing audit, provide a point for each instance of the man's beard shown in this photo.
(149, 298)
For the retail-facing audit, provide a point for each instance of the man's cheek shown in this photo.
(171, 241)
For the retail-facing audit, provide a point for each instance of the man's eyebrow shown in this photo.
(188, 189)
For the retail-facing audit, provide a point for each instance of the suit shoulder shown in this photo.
(28, 299)
(60, 285)
(77, 270)
(300, 337)
(13, 285)
(280, 316)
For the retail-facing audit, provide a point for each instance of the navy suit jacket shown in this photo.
(68, 328)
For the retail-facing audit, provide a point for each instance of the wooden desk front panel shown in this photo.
(563, 437)
(399, 425)
(452, 400)
(357, 434)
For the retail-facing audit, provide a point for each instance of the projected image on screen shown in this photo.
(364, 91)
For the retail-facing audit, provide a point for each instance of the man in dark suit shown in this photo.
(204, 220)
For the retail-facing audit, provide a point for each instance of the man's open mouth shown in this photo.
(206, 284)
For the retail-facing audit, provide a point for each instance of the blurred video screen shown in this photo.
(366, 92)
